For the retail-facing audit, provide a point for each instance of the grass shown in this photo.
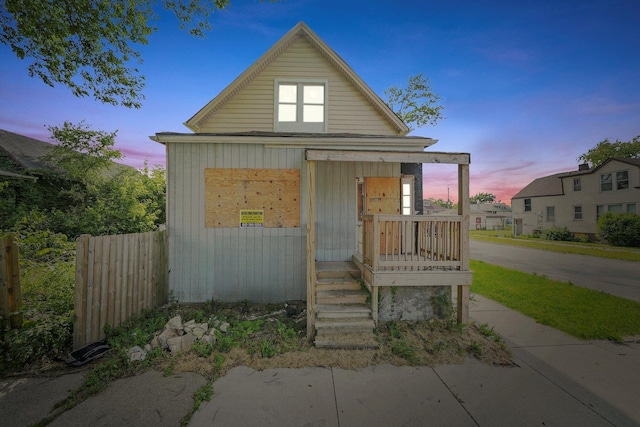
(580, 312)
(504, 237)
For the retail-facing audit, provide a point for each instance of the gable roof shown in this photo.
(300, 30)
(546, 186)
(552, 185)
(27, 152)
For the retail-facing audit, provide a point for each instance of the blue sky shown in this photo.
(527, 86)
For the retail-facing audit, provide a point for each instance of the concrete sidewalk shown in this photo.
(559, 381)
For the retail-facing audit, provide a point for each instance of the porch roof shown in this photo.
(388, 156)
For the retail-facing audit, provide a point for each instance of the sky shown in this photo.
(526, 86)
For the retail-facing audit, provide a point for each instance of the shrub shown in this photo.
(558, 233)
(620, 229)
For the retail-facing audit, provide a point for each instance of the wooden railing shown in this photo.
(412, 242)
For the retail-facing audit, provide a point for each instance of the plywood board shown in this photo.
(383, 198)
(274, 191)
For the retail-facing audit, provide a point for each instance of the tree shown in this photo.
(483, 198)
(82, 153)
(416, 105)
(89, 46)
(606, 149)
(89, 193)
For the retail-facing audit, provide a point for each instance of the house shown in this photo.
(489, 216)
(429, 207)
(23, 157)
(576, 199)
(296, 178)
(484, 216)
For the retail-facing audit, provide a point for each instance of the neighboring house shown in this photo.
(484, 216)
(489, 216)
(577, 199)
(429, 207)
(298, 168)
(23, 157)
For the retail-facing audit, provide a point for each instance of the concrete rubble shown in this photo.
(177, 337)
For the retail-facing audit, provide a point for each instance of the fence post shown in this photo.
(10, 293)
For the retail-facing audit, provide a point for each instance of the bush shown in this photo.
(47, 332)
(558, 233)
(620, 229)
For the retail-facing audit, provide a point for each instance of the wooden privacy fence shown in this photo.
(117, 277)
(10, 294)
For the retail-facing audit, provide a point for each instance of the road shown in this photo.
(620, 278)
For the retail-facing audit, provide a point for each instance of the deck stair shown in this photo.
(343, 314)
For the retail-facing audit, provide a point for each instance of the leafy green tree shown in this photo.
(91, 46)
(89, 193)
(82, 153)
(416, 104)
(483, 198)
(606, 149)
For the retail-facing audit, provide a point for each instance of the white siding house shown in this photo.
(577, 199)
(285, 169)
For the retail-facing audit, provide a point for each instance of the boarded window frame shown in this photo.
(274, 191)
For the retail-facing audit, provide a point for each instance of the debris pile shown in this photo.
(179, 337)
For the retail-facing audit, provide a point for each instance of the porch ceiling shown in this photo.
(387, 156)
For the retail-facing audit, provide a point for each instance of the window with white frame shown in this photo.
(577, 184)
(606, 182)
(577, 213)
(407, 195)
(622, 180)
(551, 213)
(300, 106)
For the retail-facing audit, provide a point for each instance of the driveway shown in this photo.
(620, 278)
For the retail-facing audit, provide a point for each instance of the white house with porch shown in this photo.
(294, 185)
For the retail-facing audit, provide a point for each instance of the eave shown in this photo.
(299, 140)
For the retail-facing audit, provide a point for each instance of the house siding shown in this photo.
(257, 264)
(589, 197)
(336, 208)
(253, 107)
(230, 264)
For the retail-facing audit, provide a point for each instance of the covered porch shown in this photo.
(400, 250)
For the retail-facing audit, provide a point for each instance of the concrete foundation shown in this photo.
(414, 303)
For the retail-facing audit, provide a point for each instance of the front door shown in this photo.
(383, 197)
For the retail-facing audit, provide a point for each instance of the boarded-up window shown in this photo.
(274, 191)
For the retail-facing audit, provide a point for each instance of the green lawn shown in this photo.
(581, 312)
(592, 249)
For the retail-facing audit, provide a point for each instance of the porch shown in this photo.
(409, 251)
(416, 251)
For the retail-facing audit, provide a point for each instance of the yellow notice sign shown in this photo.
(251, 218)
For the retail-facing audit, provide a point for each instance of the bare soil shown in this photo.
(424, 343)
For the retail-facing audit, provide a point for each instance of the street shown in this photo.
(620, 278)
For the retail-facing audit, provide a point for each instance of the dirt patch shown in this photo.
(425, 343)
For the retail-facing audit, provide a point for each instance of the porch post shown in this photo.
(311, 247)
(463, 211)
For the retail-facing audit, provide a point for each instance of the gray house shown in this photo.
(296, 173)
(577, 199)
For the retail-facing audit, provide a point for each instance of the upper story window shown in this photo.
(527, 205)
(606, 182)
(577, 184)
(622, 180)
(300, 106)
